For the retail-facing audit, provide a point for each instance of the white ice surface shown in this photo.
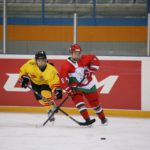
(20, 131)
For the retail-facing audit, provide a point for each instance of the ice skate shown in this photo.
(104, 121)
(52, 119)
(89, 122)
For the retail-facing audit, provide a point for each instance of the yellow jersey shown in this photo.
(49, 76)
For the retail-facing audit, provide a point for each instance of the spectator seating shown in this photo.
(104, 1)
(63, 1)
(104, 8)
(83, 1)
(24, 1)
(124, 1)
(46, 1)
(77, 1)
(141, 1)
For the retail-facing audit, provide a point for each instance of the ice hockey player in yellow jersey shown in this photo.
(44, 79)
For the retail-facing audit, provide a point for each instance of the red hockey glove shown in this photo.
(94, 64)
(93, 67)
(88, 73)
(24, 81)
(70, 91)
(58, 93)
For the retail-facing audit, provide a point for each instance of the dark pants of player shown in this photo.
(45, 91)
(39, 89)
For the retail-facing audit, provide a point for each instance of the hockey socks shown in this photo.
(100, 114)
(82, 109)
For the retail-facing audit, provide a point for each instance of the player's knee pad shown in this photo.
(47, 94)
(42, 102)
(45, 104)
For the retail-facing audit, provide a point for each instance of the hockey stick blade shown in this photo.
(79, 123)
(76, 121)
(87, 123)
(58, 108)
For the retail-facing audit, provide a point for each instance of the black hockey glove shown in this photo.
(24, 81)
(58, 93)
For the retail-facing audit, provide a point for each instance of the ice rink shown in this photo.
(23, 131)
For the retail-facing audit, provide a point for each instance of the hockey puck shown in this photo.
(103, 138)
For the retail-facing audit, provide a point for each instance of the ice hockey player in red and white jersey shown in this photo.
(76, 68)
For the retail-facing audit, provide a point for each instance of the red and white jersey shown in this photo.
(72, 72)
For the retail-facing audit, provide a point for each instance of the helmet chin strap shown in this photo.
(74, 60)
(42, 68)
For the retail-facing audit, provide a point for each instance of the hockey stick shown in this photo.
(57, 108)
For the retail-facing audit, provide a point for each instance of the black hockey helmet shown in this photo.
(40, 55)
